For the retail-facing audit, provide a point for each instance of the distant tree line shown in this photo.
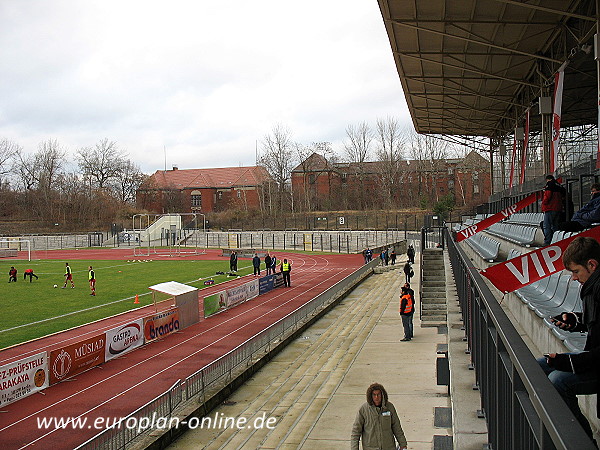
(387, 143)
(94, 189)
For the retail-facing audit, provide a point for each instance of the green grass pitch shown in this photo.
(49, 310)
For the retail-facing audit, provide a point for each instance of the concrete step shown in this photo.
(433, 302)
(432, 307)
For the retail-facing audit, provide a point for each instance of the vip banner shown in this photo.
(505, 213)
(558, 93)
(531, 267)
(214, 303)
(23, 377)
(76, 358)
(123, 339)
(161, 325)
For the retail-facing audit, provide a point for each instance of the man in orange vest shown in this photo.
(407, 309)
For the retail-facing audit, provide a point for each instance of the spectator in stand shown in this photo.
(377, 423)
(12, 274)
(588, 215)
(407, 310)
(29, 272)
(574, 374)
(393, 257)
(408, 271)
(552, 207)
(411, 254)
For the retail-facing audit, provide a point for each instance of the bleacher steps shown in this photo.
(298, 394)
(433, 288)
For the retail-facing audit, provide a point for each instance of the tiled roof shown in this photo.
(224, 177)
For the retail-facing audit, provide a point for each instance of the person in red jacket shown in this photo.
(552, 207)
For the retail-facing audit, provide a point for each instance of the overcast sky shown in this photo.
(205, 80)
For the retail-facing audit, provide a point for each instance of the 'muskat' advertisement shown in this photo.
(124, 338)
(161, 325)
(73, 359)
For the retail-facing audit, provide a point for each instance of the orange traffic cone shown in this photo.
(137, 300)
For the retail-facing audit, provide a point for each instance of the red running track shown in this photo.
(118, 387)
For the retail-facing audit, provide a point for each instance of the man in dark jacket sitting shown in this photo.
(588, 215)
(575, 374)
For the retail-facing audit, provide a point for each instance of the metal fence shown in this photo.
(521, 407)
(214, 376)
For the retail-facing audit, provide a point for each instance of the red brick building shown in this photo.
(203, 190)
(318, 184)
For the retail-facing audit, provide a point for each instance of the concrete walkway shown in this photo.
(315, 386)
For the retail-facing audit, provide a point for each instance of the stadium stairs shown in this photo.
(433, 289)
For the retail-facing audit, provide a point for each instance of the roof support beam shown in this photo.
(466, 69)
(476, 41)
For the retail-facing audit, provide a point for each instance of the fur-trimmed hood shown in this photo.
(376, 387)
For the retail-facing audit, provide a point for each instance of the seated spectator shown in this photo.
(588, 215)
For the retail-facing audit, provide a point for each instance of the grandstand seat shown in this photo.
(576, 343)
(484, 246)
(517, 233)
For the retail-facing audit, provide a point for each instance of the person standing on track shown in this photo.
(286, 268)
(68, 276)
(268, 263)
(256, 264)
(92, 278)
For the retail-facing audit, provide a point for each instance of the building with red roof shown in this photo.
(204, 190)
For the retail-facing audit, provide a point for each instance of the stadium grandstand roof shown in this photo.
(473, 67)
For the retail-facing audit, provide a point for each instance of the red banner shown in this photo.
(531, 267)
(505, 213)
(558, 94)
(512, 162)
(76, 358)
(525, 149)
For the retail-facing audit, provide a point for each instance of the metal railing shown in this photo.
(214, 376)
(521, 407)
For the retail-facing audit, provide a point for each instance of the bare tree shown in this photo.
(8, 151)
(278, 159)
(127, 181)
(390, 141)
(358, 150)
(102, 163)
(429, 153)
